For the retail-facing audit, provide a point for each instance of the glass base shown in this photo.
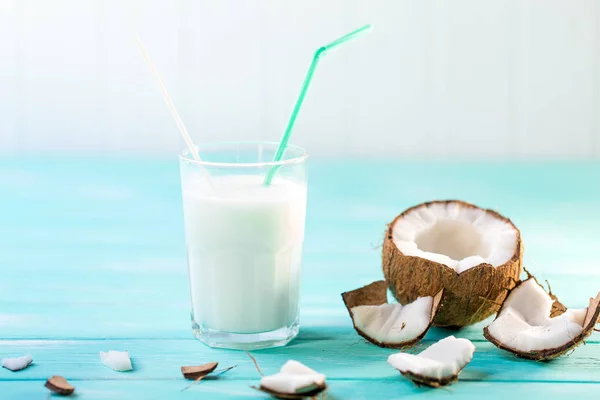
(245, 341)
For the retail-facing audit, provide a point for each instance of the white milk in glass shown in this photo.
(244, 244)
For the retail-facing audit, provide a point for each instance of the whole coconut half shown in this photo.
(473, 254)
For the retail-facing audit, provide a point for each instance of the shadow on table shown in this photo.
(324, 333)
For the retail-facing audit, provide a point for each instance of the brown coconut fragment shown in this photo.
(424, 380)
(558, 308)
(469, 296)
(298, 396)
(311, 385)
(438, 365)
(59, 385)
(195, 372)
(375, 294)
(592, 317)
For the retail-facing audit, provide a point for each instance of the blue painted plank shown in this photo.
(338, 357)
(396, 389)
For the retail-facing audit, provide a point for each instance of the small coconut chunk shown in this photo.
(455, 234)
(389, 325)
(17, 363)
(525, 327)
(59, 385)
(116, 360)
(294, 380)
(438, 365)
(195, 372)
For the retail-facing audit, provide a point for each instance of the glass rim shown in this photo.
(185, 155)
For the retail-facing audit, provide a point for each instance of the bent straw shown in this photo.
(170, 105)
(311, 70)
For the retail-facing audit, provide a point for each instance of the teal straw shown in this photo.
(309, 75)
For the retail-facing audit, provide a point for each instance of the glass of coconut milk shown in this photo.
(244, 242)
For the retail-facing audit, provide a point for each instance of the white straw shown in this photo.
(174, 113)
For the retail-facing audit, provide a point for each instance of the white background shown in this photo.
(455, 79)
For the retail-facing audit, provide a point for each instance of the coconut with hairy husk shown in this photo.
(534, 324)
(473, 254)
(389, 325)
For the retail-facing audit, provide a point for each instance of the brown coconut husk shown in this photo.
(592, 318)
(298, 396)
(59, 385)
(375, 294)
(468, 297)
(424, 380)
(195, 372)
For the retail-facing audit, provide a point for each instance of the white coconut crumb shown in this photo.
(116, 360)
(293, 378)
(394, 323)
(17, 363)
(443, 359)
(454, 235)
(524, 323)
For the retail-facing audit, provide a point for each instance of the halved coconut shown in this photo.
(472, 253)
(389, 325)
(533, 324)
(438, 365)
(293, 381)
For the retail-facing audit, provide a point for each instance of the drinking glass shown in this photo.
(244, 242)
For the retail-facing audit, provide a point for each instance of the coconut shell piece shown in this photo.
(299, 396)
(469, 297)
(424, 380)
(375, 294)
(59, 385)
(290, 372)
(592, 318)
(195, 372)
(449, 355)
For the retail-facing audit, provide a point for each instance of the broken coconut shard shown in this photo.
(389, 325)
(59, 385)
(116, 360)
(436, 366)
(195, 372)
(535, 325)
(17, 363)
(293, 381)
(474, 254)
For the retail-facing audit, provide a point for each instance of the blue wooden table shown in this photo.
(92, 258)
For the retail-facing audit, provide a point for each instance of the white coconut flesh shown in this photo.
(442, 360)
(456, 235)
(524, 323)
(293, 378)
(394, 323)
(116, 360)
(17, 363)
